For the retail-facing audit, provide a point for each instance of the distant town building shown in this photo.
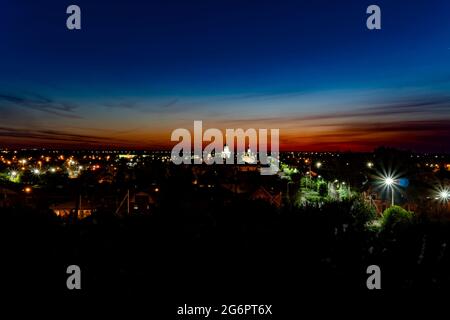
(64, 210)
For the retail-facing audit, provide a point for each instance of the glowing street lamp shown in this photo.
(444, 195)
(389, 182)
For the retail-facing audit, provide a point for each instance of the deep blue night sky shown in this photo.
(139, 69)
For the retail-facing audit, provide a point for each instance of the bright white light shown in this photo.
(248, 159)
(318, 164)
(226, 153)
(36, 171)
(444, 194)
(13, 174)
(389, 181)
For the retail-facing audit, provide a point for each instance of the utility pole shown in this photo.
(392, 195)
(127, 197)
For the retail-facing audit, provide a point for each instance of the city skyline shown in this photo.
(132, 75)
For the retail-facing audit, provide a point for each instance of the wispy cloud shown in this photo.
(418, 135)
(393, 109)
(331, 121)
(53, 135)
(40, 103)
(146, 106)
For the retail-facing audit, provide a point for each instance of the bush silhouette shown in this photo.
(323, 189)
(362, 213)
(395, 216)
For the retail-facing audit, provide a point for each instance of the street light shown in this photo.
(444, 195)
(389, 182)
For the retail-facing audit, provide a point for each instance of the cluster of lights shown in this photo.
(389, 181)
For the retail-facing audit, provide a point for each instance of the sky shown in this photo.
(137, 70)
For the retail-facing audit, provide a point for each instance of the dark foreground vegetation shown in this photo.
(248, 248)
